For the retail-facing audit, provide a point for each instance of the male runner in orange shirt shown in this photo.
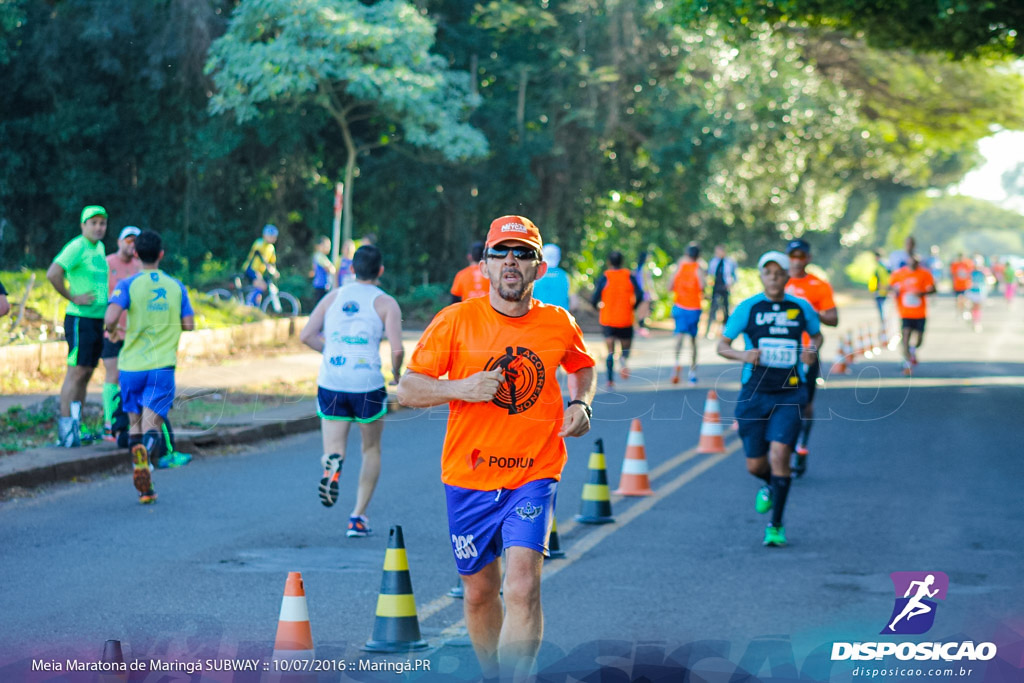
(617, 295)
(470, 282)
(818, 294)
(960, 271)
(504, 451)
(910, 285)
(687, 293)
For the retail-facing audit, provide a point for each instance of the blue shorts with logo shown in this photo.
(354, 407)
(483, 523)
(686, 319)
(765, 417)
(153, 389)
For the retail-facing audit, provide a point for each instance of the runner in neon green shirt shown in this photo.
(82, 262)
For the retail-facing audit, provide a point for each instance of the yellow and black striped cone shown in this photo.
(554, 548)
(397, 628)
(596, 505)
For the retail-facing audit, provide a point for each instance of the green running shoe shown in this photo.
(763, 502)
(173, 460)
(775, 536)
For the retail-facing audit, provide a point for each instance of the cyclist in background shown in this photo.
(262, 262)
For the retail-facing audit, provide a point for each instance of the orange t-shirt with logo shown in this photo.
(470, 283)
(961, 272)
(910, 287)
(512, 439)
(687, 286)
(618, 299)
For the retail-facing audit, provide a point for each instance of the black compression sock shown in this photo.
(780, 490)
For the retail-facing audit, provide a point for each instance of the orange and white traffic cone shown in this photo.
(711, 439)
(294, 639)
(839, 366)
(635, 480)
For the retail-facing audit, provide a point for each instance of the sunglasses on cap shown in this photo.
(519, 252)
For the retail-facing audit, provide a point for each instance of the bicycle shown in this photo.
(274, 302)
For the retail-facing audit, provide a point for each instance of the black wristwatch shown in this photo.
(586, 407)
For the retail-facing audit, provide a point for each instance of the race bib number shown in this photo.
(911, 300)
(777, 353)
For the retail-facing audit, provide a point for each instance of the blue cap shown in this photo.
(798, 245)
(270, 230)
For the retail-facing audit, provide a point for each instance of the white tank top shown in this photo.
(352, 334)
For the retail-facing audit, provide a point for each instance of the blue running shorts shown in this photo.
(686, 319)
(354, 407)
(766, 417)
(153, 389)
(483, 523)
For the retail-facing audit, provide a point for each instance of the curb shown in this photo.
(100, 458)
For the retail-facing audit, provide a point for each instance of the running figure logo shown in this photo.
(524, 378)
(914, 613)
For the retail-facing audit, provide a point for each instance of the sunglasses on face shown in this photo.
(520, 253)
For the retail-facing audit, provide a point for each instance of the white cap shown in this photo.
(776, 256)
(552, 255)
(129, 231)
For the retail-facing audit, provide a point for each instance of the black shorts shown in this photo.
(85, 340)
(623, 333)
(916, 324)
(111, 349)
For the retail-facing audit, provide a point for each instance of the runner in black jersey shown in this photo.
(774, 382)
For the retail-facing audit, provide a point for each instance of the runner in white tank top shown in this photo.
(352, 334)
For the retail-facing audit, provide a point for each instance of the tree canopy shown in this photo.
(611, 124)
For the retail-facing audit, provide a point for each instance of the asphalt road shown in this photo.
(906, 474)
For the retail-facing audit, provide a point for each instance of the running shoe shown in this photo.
(625, 372)
(140, 475)
(692, 378)
(763, 501)
(675, 375)
(644, 332)
(108, 433)
(173, 460)
(907, 368)
(329, 482)
(775, 536)
(609, 385)
(799, 465)
(358, 526)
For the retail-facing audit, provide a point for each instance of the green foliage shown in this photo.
(422, 302)
(963, 224)
(861, 269)
(959, 28)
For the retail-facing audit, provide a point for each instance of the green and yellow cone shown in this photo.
(397, 628)
(596, 505)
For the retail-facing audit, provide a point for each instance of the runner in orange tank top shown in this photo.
(504, 450)
(617, 295)
(688, 293)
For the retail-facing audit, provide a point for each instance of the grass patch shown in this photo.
(35, 427)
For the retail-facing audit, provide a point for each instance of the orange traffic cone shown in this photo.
(596, 503)
(634, 480)
(294, 638)
(396, 629)
(711, 439)
(554, 547)
(839, 366)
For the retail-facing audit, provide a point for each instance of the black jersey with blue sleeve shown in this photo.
(775, 328)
